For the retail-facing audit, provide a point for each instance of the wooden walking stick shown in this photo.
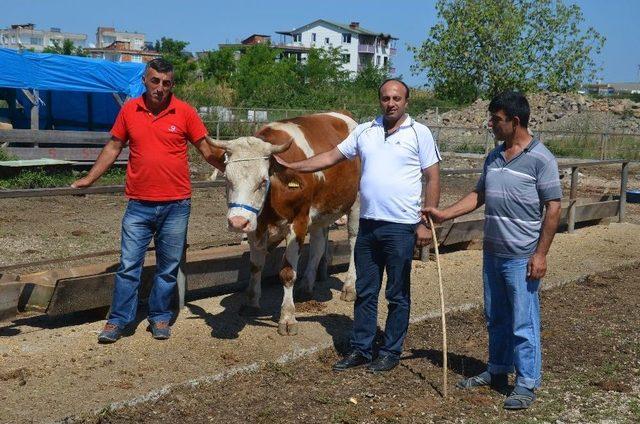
(442, 311)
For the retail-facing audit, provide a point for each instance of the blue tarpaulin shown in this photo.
(76, 93)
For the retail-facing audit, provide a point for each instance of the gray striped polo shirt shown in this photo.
(515, 193)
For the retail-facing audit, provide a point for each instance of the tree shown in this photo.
(173, 51)
(66, 48)
(265, 79)
(218, 65)
(481, 47)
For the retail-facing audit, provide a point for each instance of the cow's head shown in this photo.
(247, 174)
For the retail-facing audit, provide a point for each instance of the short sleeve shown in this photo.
(349, 146)
(427, 148)
(119, 129)
(195, 127)
(548, 182)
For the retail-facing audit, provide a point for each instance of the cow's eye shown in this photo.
(262, 184)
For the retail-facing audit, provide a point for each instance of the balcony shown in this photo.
(366, 48)
(392, 51)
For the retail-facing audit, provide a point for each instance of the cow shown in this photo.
(271, 203)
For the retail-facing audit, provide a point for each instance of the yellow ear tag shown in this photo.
(293, 184)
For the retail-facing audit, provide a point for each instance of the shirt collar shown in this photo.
(139, 101)
(408, 122)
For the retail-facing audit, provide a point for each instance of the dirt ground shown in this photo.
(52, 369)
(591, 373)
(47, 228)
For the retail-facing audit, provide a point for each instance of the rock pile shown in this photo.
(553, 112)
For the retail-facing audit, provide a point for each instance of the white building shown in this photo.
(105, 36)
(360, 47)
(26, 36)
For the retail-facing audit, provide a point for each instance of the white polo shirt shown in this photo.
(391, 181)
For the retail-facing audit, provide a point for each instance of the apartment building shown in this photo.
(26, 36)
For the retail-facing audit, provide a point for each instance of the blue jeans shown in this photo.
(167, 223)
(382, 246)
(512, 311)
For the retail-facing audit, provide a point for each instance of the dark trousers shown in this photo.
(382, 246)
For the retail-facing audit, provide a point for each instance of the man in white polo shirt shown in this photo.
(395, 152)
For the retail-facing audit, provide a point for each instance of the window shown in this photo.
(36, 41)
(386, 61)
(346, 58)
(297, 38)
(313, 37)
(346, 38)
(378, 60)
(326, 40)
(136, 58)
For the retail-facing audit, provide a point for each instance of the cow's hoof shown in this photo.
(249, 311)
(288, 328)
(348, 295)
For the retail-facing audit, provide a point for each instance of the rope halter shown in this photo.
(266, 192)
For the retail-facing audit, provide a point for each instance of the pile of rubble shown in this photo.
(553, 111)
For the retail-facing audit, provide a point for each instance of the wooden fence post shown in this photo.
(573, 192)
(624, 176)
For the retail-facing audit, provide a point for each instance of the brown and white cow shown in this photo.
(272, 203)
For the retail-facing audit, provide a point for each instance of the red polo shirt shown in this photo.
(158, 169)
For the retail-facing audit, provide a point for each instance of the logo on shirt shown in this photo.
(173, 128)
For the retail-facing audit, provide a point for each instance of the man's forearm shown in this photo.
(318, 162)
(431, 188)
(549, 227)
(468, 203)
(213, 155)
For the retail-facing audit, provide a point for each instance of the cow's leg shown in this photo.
(323, 266)
(349, 288)
(257, 255)
(288, 326)
(317, 244)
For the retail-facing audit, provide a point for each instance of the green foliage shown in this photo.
(264, 79)
(206, 93)
(481, 47)
(43, 179)
(218, 65)
(173, 51)
(66, 48)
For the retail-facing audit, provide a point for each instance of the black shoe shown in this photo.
(354, 359)
(383, 363)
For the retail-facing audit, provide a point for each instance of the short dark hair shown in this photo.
(406, 87)
(161, 65)
(512, 103)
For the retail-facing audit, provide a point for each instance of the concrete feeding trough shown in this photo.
(633, 196)
(11, 168)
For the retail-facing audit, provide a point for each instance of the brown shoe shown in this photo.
(160, 330)
(110, 333)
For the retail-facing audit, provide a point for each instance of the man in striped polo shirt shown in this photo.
(519, 179)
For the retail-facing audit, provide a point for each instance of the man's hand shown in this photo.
(537, 266)
(282, 161)
(83, 182)
(423, 235)
(437, 215)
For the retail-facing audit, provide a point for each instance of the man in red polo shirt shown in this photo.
(157, 127)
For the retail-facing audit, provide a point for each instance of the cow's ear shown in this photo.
(279, 148)
(220, 144)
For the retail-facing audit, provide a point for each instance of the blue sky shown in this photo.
(204, 24)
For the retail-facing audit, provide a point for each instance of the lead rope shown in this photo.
(442, 311)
